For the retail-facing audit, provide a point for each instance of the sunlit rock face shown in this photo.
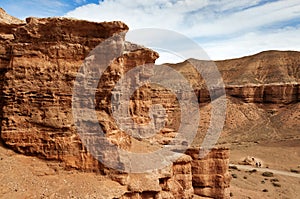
(39, 62)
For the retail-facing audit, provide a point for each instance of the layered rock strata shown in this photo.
(267, 77)
(188, 176)
(40, 60)
(210, 174)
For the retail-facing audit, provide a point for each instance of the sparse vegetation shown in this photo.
(252, 171)
(267, 174)
(295, 171)
(233, 167)
(275, 184)
(274, 180)
(265, 190)
(234, 175)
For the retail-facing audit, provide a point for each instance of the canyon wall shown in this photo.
(210, 174)
(39, 61)
(275, 93)
(40, 64)
(188, 176)
(268, 77)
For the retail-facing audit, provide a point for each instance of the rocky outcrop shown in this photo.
(39, 61)
(39, 67)
(40, 58)
(280, 93)
(211, 177)
(267, 77)
(275, 93)
(174, 181)
(189, 175)
(262, 93)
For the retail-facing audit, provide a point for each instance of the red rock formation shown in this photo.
(39, 67)
(270, 93)
(39, 63)
(211, 177)
(267, 77)
(189, 175)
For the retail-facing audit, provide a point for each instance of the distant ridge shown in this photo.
(267, 67)
(7, 19)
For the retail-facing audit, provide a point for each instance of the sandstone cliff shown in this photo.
(39, 61)
(267, 77)
(39, 65)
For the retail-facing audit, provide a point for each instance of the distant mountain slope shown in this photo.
(6, 18)
(263, 96)
(262, 68)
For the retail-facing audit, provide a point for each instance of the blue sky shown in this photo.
(42, 8)
(223, 28)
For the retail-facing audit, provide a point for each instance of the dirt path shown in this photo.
(279, 172)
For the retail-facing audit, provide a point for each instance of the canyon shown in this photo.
(40, 60)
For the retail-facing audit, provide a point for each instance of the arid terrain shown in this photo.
(257, 125)
(42, 155)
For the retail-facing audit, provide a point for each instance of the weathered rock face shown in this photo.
(40, 58)
(276, 93)
(267, 77)
(174, 181)
(39, 67)
(189, 175)
(39, 61)
(283, 93)
(210, 174)
(262, 93)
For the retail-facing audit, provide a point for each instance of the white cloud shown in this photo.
(229, 28)
(168, 57)
(247, 20)
(139, 13)
(251, 43)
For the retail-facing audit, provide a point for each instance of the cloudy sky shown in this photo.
(223, 28)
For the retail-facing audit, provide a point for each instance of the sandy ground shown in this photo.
(254, 185)
(279, 157)
(30, 177)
